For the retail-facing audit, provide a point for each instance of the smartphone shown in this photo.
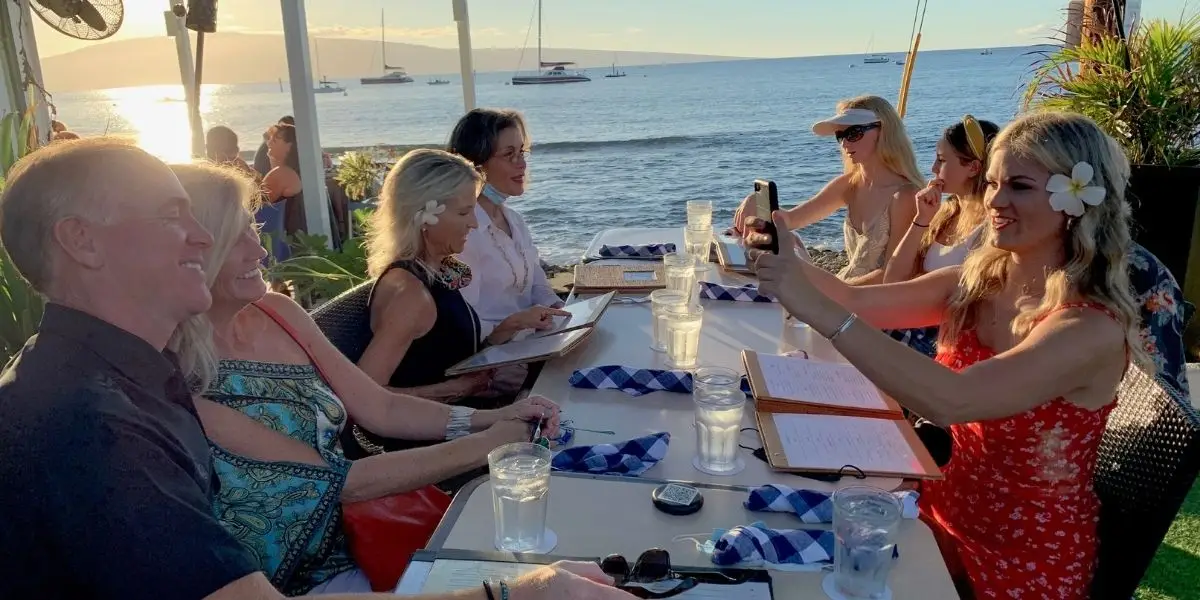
(766, 202)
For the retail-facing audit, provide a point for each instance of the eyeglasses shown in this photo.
(515, 156)
(650, 577)
(854, 133)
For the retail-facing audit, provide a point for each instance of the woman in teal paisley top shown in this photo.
(277, 397)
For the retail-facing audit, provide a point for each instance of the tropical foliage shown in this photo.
(20, 305)
(1143, 91)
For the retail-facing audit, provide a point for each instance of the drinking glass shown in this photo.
(698, 241)
(680, 271)
(520, 475)
(659, 299)
(683, 334)
(866, 521)
(720, 402)
(699, 213)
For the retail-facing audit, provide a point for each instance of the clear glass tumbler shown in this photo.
(680, 271)
(520, 477)
(699, 213)
(659, 299)
(866, 521)
(683, 323)
(720, 403)
(698, 241)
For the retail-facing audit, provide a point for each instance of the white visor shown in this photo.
(852, 116)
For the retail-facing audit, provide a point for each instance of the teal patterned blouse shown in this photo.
(287, 515)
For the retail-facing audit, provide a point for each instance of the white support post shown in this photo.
(466, 63)
(304, 108)
(187, 72)
(21, 20)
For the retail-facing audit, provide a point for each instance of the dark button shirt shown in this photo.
(106, 482)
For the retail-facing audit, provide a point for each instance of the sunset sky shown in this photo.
(759, 28)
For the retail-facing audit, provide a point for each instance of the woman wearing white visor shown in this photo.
(877, 186)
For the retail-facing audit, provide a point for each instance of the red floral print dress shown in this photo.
(1016, 514)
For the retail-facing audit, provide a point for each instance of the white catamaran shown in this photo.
(390, 74)
(549, 72)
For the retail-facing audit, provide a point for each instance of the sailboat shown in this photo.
(873, 59)
(326, 86)
(390, 74)
(549, 72)
(615, 72)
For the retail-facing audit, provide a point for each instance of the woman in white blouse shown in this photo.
(508, 276)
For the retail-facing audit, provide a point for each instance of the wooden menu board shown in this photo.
(823, 443)
(787, 384)
(599, 277)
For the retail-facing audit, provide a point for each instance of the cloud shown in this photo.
(1041, 30)
(633, 30)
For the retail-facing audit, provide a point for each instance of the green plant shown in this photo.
(1144, 91)
(358, 173)
(20, 306)
(316, 273)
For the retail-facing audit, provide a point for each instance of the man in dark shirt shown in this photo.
(106, 481)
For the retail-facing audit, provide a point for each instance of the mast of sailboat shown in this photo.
(383, 42)
(539, 36)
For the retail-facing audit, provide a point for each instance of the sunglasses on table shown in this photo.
(651, 576)
(854, 133)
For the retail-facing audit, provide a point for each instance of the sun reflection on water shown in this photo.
(157, 117)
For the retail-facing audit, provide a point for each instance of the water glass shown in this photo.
(683, 334)
(680, 271)
(698, 241)
(720, 402)
(659, 299)
(699, 213)
(520, 475)
(866, 521)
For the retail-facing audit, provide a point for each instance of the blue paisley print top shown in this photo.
(287, 515)
(1163, 310)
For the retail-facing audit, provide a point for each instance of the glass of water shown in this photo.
(698, 241)
(658, 300)
(520, 475)
(680, 271)
(866, 521)
(683, 334)
(720, 402)
(699, 213)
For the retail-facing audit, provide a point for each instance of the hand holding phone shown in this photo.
(766, 201)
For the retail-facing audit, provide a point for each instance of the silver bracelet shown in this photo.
(850, 319)
(459, 424)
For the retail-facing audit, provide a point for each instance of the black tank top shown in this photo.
(454, 336)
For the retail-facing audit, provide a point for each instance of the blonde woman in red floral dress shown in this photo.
(1037, 328)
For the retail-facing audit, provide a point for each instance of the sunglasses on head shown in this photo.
(854, 133)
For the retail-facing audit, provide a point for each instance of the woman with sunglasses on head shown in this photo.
(877, 187)
(1037, 329)
(509, 286)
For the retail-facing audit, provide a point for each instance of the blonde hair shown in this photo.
(420, 177)
(894, 148)
(72, 178)
(223, 200)
(1096, 245)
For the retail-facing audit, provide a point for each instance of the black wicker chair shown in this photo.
(1149, 457)
(346, 322)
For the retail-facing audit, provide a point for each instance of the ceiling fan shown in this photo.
(81, 19)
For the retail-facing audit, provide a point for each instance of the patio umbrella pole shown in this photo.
(198, 141)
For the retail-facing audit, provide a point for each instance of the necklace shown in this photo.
(451, 273)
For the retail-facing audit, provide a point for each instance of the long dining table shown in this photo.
(597, 515)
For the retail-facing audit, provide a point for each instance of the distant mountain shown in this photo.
(253, 58)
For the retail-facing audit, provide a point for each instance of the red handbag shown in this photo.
(384, 532)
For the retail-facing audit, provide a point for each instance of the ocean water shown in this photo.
(616, 152)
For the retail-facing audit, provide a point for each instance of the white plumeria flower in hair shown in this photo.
(1070, 194)
(428, 215)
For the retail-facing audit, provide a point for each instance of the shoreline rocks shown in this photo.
(562, 277)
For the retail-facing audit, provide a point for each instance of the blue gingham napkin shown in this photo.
(811, 506)
(736, 293)
(757, 544)
(631, 457)
(642, 251)
(636, 382)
